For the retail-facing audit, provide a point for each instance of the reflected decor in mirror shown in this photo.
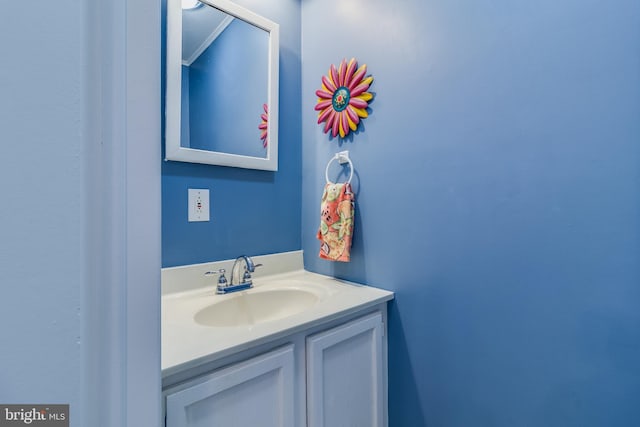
(222, 85)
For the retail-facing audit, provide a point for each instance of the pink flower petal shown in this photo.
(323, 94)
(352, 114)
(324, 115)
(357, 77)
(322, 105)
(360, 89)
(336, 123)
(334, 75)
(331, 119)
(328, 84)
(351, 68)
(358, 103)
(344, 122)
(341, 73)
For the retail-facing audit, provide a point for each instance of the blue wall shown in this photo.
(252, 212)
(497, 195)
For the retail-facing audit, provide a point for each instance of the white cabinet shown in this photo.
(345, 375)
(256, 392)
(333, 375)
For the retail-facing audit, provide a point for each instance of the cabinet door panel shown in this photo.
(257, 392)
(345, 375)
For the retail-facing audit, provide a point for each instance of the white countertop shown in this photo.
(187, 344)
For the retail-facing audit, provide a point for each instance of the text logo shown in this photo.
(34, 415)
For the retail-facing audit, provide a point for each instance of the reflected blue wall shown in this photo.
(224, 110)
(497, 183)
(252, 212)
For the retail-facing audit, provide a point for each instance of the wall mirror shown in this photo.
(222, 85)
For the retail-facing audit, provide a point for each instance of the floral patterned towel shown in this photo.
(336, 222)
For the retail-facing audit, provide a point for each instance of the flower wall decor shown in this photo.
(343, 98)
(263, 126)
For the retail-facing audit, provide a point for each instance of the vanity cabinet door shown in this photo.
(345, 375)
(256, 392)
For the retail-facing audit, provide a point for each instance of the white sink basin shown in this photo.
(256, 306)
(199, 326)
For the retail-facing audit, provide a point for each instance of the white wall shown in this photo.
(42, 190)
(80, 210)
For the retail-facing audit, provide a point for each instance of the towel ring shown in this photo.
(342, 157)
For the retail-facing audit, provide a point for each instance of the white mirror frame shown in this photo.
(174, 151)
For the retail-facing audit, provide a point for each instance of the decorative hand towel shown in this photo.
(336, 222)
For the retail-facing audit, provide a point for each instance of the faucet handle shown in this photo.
(246, 277)
(222, 281)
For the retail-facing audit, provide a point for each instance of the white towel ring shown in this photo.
(342, 157)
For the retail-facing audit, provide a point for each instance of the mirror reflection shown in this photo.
(224, 82)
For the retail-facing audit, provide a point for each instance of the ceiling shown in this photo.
(200, 27)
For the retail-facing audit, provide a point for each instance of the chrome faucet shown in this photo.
(249, 267)
(235, 283)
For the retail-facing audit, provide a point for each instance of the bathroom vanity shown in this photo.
(298, 349)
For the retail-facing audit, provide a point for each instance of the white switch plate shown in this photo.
(198, 205)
